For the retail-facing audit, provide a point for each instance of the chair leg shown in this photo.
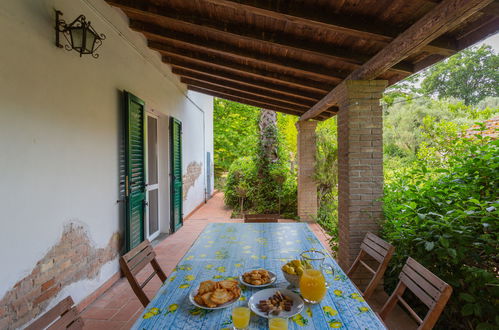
(392, 301)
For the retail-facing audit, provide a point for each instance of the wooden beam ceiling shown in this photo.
(250, 101)
(359, 27)
(203, 82)
(445, 16)
(238, 31)
(246, 94)
(208, 73)
(164, 39)
(227, 66)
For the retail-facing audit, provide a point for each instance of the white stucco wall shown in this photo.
(59, 131)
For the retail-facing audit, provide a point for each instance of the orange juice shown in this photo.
(312, 285)
(278, 324)
(240, 317)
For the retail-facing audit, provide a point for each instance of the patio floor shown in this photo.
(118, 307)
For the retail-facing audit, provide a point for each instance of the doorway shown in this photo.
(152, 186)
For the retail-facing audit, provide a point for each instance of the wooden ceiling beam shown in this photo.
(252, 102)
(445, 16)
(238, 31)
(203, 72)
(170, 39)
(484, 31)
(301, 83)
(210, 81)
(359, 27)
(245, 94)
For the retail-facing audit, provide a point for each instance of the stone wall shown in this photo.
(71, 260)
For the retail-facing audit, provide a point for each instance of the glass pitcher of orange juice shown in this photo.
(312, 286)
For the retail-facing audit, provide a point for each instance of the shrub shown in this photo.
(447, 218)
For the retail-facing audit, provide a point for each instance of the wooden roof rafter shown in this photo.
(250, 101)
(443, 17)
(237, 31)
(295, 55)
(207, 74)
(360, 27)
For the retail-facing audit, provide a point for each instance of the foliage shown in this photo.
(444, 212)
(404, 121)
(470, 75)
(326, 176)
(268, 186)
(235, 133)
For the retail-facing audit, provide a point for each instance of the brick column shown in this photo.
(360, 160)
(307, 188)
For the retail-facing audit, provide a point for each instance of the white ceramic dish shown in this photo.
(298, 303)
(195, 292)
(272, 275)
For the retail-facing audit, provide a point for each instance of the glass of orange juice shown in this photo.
(312, 286)
(240, 318)
(278, 323)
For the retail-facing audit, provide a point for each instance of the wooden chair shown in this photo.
(62, 316)
(255, 218)
(136, 260)
(425, 285)
(379, 250)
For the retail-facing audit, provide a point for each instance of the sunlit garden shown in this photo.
(441, 169)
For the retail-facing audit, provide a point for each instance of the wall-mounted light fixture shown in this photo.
(79, 34)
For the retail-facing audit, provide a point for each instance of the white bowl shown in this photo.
(272, 275)
(298, 303)
(293, 279)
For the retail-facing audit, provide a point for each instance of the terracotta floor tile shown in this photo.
(96, 313)
(102, 325)
(128, 311)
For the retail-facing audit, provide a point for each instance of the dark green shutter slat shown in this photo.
(134, 170)
(176, 173)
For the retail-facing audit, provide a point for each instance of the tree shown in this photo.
(235, 132)
(470, 75)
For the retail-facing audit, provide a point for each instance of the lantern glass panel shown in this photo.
(77, 37)
(89, 41)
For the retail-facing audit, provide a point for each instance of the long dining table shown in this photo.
(226, 250)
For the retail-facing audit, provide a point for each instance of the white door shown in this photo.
(152, 212)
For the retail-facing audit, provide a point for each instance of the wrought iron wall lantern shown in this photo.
(80, 35)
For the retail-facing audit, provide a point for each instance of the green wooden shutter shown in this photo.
(176, 174)
(135, 170)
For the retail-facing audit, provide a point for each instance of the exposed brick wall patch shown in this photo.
(194, 170)
(71, 260)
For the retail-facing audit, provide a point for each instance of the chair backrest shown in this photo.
(62, 316)
(431, 290)
(379, 250)
(136, 260)
(249, 218)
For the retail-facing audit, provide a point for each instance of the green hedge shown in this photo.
(447, 218)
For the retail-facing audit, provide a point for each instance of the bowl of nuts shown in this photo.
(258, 278)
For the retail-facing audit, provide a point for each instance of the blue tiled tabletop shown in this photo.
(225, 250)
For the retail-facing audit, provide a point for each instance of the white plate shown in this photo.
(195, 292)
(298, 303)
(272, 275)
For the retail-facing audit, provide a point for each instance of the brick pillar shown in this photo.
(360, 160)
(307, 188)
